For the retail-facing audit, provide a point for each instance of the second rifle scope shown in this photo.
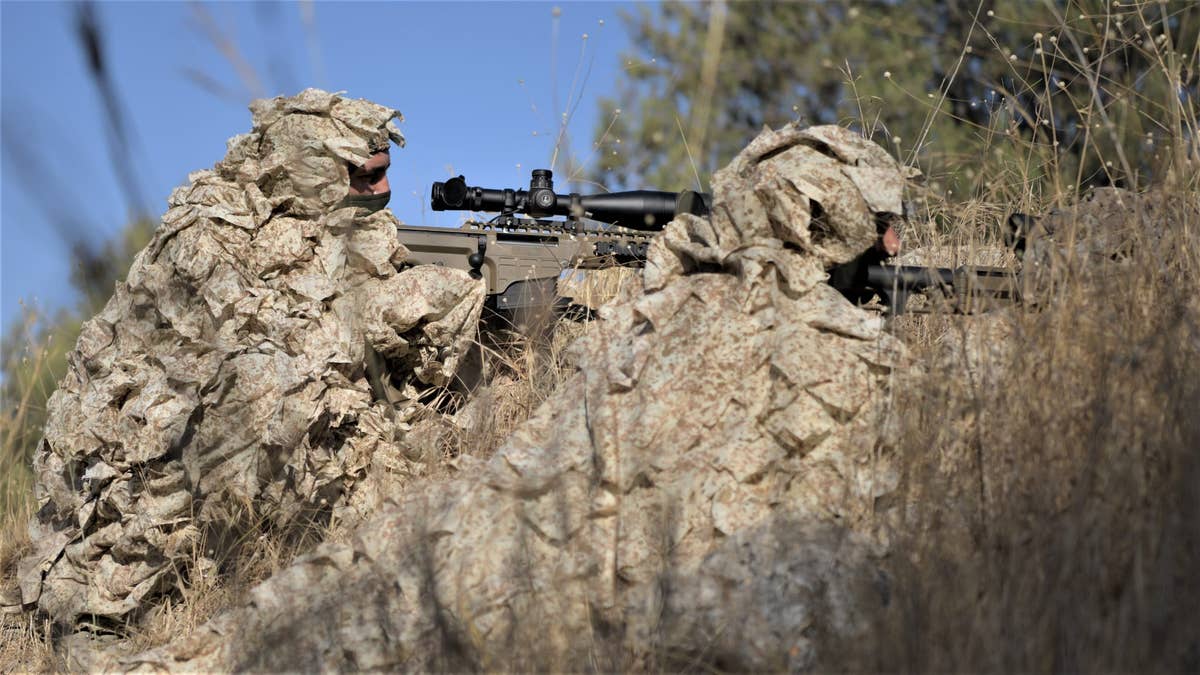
(635, 209)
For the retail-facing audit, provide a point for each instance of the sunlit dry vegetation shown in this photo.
(1050, 516)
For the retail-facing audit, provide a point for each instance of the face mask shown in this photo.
(367, 204)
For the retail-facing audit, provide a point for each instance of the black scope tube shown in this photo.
(634, 209)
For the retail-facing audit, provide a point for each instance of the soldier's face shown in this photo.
(889, 241)
(371, 177)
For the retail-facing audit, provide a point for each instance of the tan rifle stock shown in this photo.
(520, 259)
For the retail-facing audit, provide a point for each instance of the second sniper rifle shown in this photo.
(521, 253)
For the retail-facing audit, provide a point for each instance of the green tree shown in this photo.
(944, 84)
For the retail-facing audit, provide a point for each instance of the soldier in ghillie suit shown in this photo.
(712, 483)
(258, 367)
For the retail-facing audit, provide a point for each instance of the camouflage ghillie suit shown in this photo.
(229, 373)
(711, 483)
(1096, 236)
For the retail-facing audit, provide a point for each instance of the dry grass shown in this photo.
(1050, 516)
(20, 420)
(24, 638)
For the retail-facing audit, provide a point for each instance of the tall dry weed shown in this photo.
(1050, 520)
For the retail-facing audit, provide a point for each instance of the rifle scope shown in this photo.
(635, 209)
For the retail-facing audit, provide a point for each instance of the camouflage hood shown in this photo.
(297, 152)
(822, 192)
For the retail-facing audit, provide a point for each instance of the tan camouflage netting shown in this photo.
(711, 483)
(230, 369)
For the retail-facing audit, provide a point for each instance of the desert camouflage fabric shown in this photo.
(713, 482)
(1094, 237)
(228, 382)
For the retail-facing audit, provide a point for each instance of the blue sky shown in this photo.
(480, 84)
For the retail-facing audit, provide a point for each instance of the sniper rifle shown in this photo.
(521, 253)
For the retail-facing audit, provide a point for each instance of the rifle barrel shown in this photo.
(908, 278)
(972, 288)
